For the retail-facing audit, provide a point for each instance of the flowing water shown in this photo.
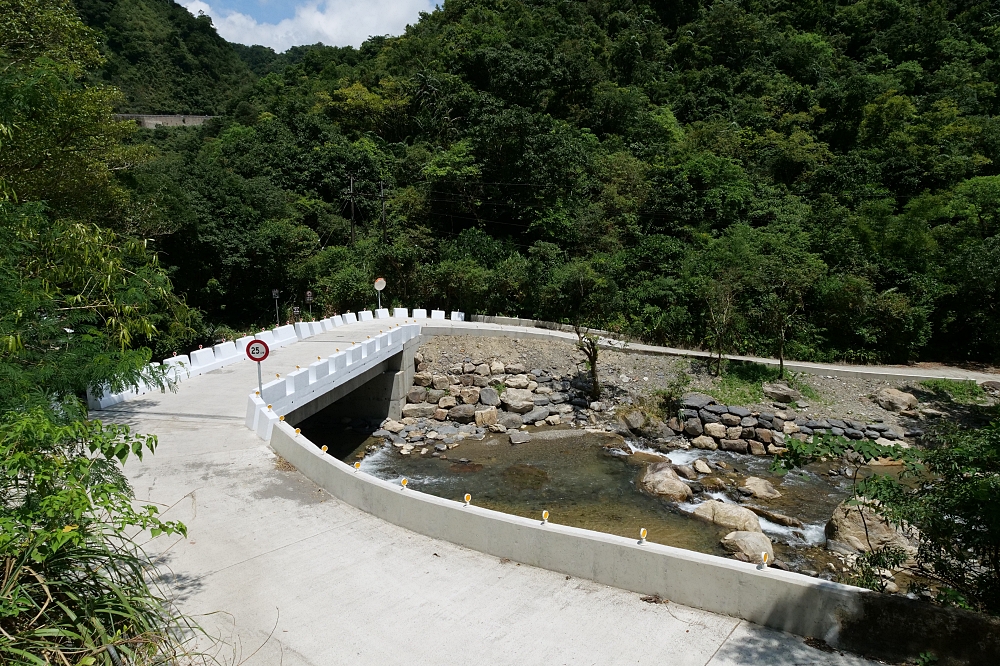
(590, 480)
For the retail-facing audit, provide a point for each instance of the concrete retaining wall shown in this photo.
(782, 600)
(850, 618)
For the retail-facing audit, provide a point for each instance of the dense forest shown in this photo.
(820, 176)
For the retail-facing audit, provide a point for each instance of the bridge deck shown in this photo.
(310, 580)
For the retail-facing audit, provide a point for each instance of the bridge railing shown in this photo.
(181, 367)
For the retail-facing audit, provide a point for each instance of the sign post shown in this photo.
(379, 286)
(257, 351)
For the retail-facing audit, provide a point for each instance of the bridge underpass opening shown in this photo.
(345, 417)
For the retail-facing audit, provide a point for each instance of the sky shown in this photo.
(283, 24)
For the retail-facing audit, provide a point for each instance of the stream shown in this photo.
(585, 480)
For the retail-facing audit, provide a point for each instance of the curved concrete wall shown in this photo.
(782, 600)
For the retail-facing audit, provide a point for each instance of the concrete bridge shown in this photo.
(325, 565)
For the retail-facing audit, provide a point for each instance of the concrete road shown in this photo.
(282, 573)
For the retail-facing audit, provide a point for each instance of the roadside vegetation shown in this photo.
(79, 306)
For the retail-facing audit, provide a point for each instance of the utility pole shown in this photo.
(352, 211)
(382, 190)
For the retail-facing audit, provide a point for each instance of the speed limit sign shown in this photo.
(257, 350)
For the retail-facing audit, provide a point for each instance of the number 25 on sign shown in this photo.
(257, 351)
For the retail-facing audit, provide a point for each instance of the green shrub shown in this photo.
(966, 392)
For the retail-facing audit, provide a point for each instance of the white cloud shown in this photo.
(333, 22)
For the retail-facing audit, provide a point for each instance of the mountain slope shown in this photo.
(164, 59)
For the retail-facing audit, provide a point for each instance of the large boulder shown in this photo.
(751, 544)
(781, 393)
(489, 396)
(440, 382)
(416, 395)
(759, 488)
(728, 515)
(661, 479)
(696, 400)
(462, 413)
(470, 395)
(716, 430)
(704, 442)
(487, 417)
(422, 410)
(447, 402)
(422, 379)
(635, 420)
(517, 382)
(893, 400)
(510, 421)
(864, 529)
(518, 400)
(536, 414)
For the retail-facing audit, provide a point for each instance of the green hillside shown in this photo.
(162, 58)
(825, 172)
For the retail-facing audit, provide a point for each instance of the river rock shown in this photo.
(734, 445)
(440, 414)
(704, 442)
(751, 544)
(497, 368)
(515, 369)
(487, 417)
(693, 427)
(635, 420)
(518, 400)
(422, 379)
(517, 382)
(422, 410)
(416, 395)
(781, 393)
(848, 525)
(687, 472)
(701, 466)
(510, 421)
(447, 402)
(393, 426)
(775, 517)
(893, 400)
(483, 370)
(713, 483)
(489, 396)
(730, 420)
(716, 430)
(728, 515)
(470, 395)
(756, 448)
(553, 419)
(519, 437)
(661, 479)
(440, 382)
(760, 488)
(696, 400)
(992, 387)
(462, 413)
(536, 414)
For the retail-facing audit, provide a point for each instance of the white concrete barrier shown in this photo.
(783, 600)
(285, 335)
(267, 337)
(457, 316)
(302, 330)
(226, 352)
(241, 345)
(419, 313)
(400, 313)
(336, 321)
(382, 313)
(350, 318)
(366, 315)
(327, 324)
(437, 314)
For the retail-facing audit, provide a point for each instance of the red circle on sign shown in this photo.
(257, 350)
